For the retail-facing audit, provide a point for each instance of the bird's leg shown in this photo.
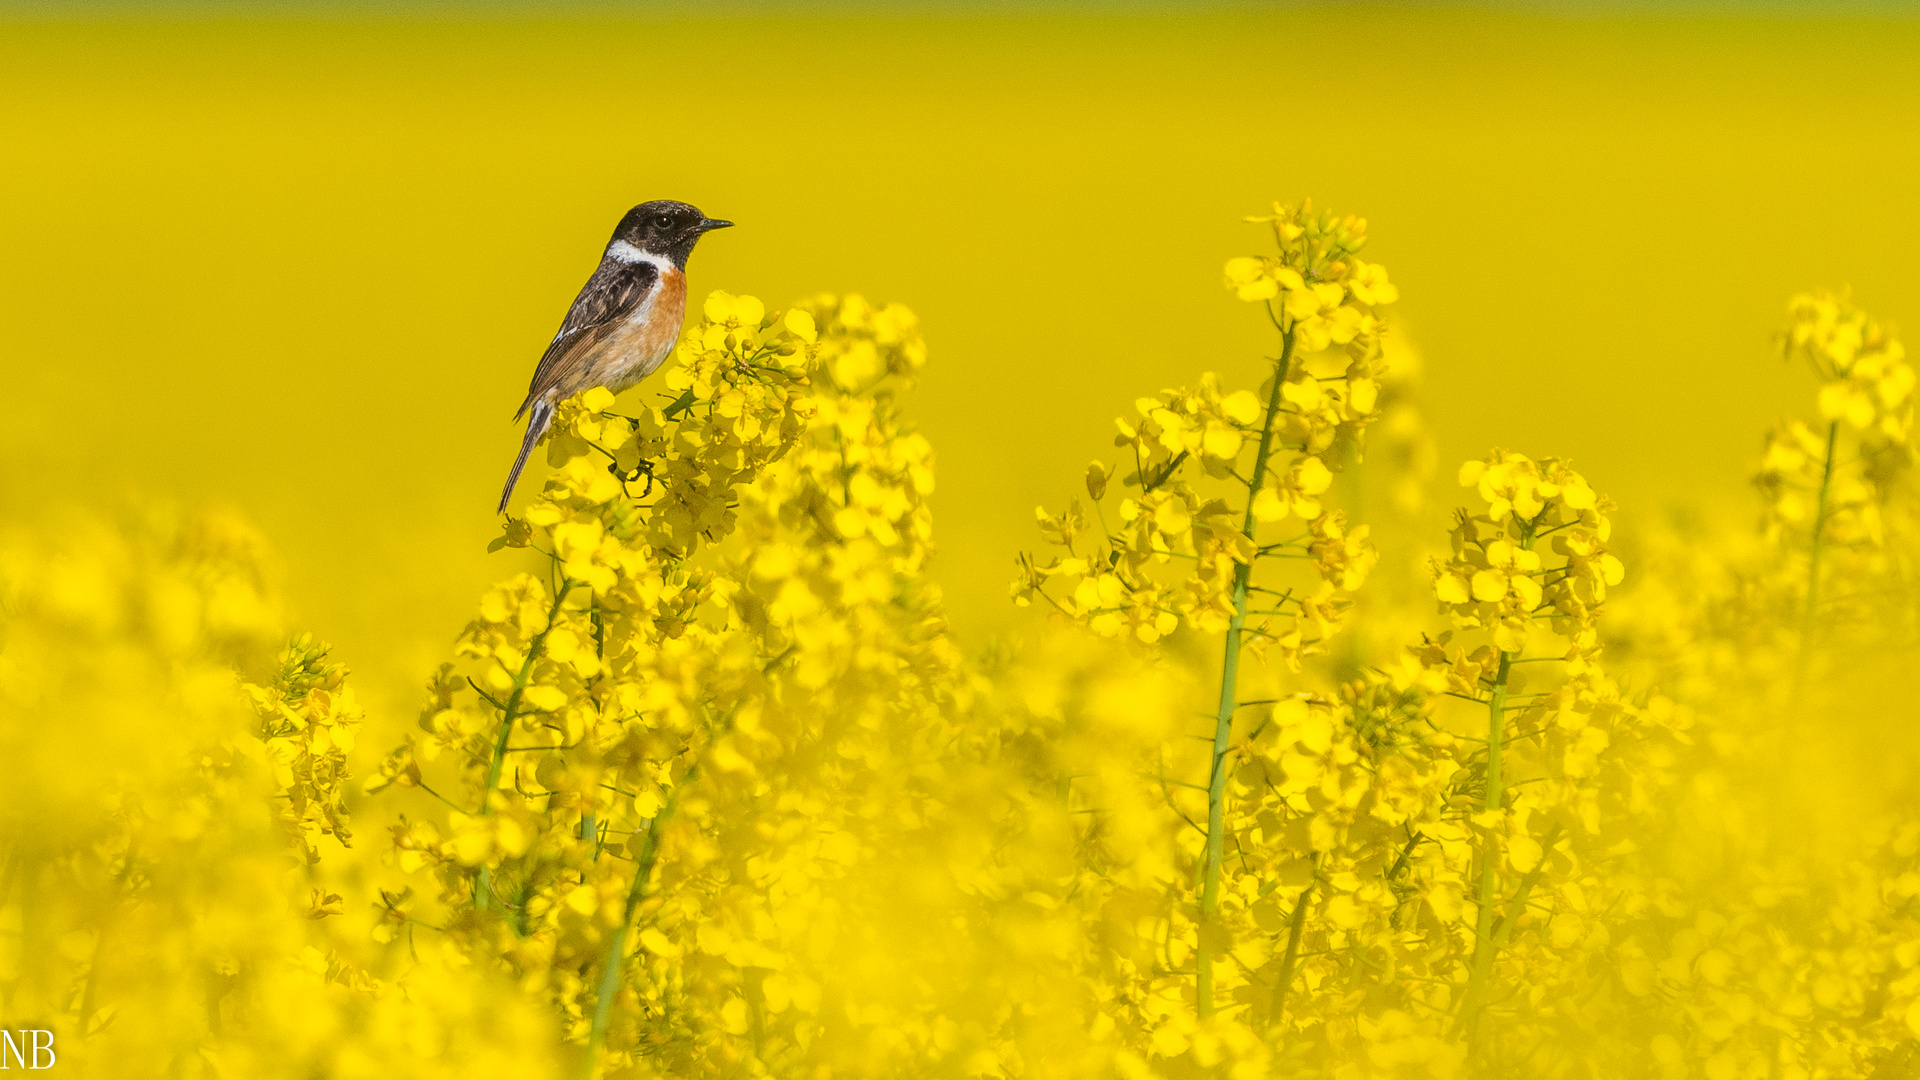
(644, 468)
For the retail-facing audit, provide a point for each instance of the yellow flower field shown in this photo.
(1293, 735)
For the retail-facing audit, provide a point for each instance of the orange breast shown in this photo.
(669, 311)
(642, 344)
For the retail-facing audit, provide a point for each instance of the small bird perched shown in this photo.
(623, 324)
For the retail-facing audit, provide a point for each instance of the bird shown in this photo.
(626, 319)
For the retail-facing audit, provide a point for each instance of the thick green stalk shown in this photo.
(483, 883)
(1517, 906)
(1229, 694)
(1483, 946)
(1813, 561)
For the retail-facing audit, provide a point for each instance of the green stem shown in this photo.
(679, 405)
(1393, 875)
(1483, 947)
(1399, 864)
(616, 950)
(1295, 930)
(483, 882)
(1813, 562)
(1518, 905)
(1229, 694)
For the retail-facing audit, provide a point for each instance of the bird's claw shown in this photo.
(645, 468)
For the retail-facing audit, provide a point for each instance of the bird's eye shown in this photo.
(664, 221)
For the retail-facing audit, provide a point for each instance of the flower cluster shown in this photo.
(1779, 852)
(176, 901)
(1865, 377)
(709, 789)
(308, 719)
(1211, 468)
(1498, 581)
(684, 766)
(1827, 484)
(1326, 292)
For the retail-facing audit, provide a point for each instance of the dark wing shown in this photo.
(614, 292)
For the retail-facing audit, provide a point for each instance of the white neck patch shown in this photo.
(622, 251)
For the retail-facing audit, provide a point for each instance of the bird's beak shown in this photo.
(710, 224)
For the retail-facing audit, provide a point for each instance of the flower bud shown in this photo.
(1097, 481)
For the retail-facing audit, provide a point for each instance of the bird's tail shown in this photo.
(541, 416)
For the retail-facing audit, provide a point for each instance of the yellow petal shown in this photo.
(1523, 852)
(800, 325)
(1172, 517)
(749, 310)
(1343, 912)
(1243, 270)
(1222, 442)
(1312, 476)
(1242, 406)
(1612, 570)
(1527, 591)
(1267, 506)
(545, 698)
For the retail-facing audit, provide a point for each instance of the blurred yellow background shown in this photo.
(305, 268)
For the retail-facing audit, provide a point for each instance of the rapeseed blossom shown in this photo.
(711, 791)
(175, 834)
(1312, 411)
